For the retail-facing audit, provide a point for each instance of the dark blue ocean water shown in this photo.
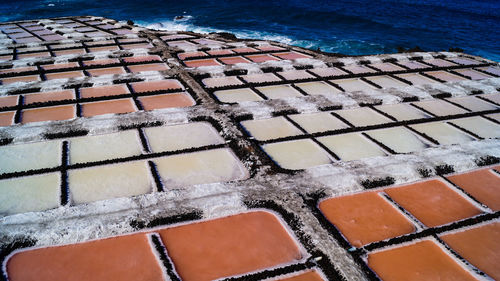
(351, 27)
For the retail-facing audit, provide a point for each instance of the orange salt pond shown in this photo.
(63, 75)
(365, 218)
(106, 71)
(49, 96)
(166, 101)
(234, 60)
(433, 202)
(261, 58)
(119, 258)
(148, 67)
(62, 112)
(7, 118)
(8, 101)
(307, 276)
(102, 91)
(229, 246)
(105, 107)
(28, 78)
(484, 185)
(479, 245)
(422, 261)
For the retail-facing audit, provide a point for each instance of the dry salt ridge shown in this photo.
(137, 154)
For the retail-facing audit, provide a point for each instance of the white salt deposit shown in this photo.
(109, 181)
(28, 194)
(171, 138)
(318, 122)
(218, 165)
(399, 139)
(272, 128)
(443, 133)
(352, 146)
(29, 156)
(297, 154)
(103, 147)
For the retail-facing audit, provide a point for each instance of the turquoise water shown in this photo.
(354, 27)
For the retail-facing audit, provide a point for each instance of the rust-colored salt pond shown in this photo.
(484, 185)
(106, 107)
(150, 86)
(480, 246)
(365, 217)
(261, 58)
(234, 60)
(8, 101)
(203, 62)
(60, 65)
(49, 96)
(422, 261)
(166, 101)
(119, 258)
(433, 202)
(62, 112)
(106, 71)
(229, 246)
(148, 67)
(64, 75)
(7, 118)
(102, 91)
(307, 276)
(28, 78)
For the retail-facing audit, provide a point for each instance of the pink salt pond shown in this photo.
(233, 60)
(291, 55)
(202, 62)
(261, 58)
(150, 86)
(221, 81)
(260, 78)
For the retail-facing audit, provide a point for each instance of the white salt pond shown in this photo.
(318, 122)
(357, 69)
(495, 116)
(237, 95)
(416, 79)
(328, 71)
(297, 154)
(295, 74)
(387, 66)
(260, 78)
(109, 181)
(412, 64)
(440, 107)
(473, 103)
(210, 166)
(491, 97)
(221, 81)
(443, 133)
(464, 61)
(353, 84)
(402, 111)
(172, 138)
(271, 128)
(279, 92)
(479, 126)
(363, 116)
(30, 156)
(399, 139)
(104, 147)
(439, 62)
(473, 74)
(30, 194)
(351, 146)
(385, 81)
(491, 69)
(318, 88)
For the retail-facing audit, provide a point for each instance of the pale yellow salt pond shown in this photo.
(443, 133)
(473, 103)
(479, 126)
(318, 88)
(353, 84)
(30, 194)
(30, 156)
(297, 154)
(385, 81)
(363, 116)
(387, 66)
(110, 181)
(279, 92)
(351, 146)
(440, 107)
(260, 78)
(177, 137)
(237, 95)
(210, 166)
(104, 147)
(357, 69)
(494, 116)
(318, 122)
(402, 111)
(271, 128)
(221, 81)
(416, 79)
(295, 74)
(399, 139)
